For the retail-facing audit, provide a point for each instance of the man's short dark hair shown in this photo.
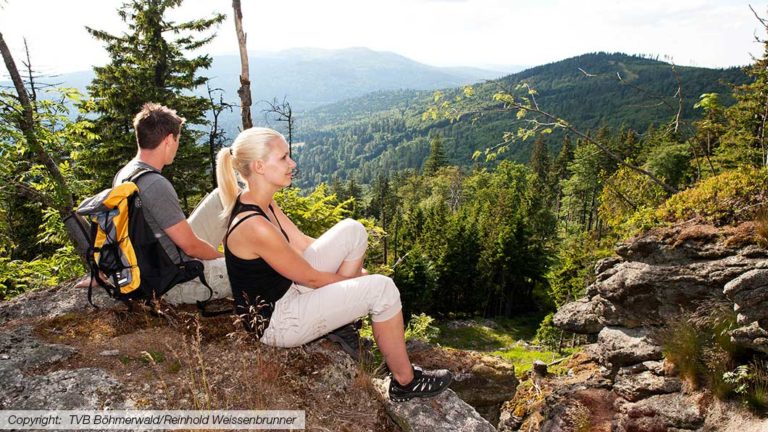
(153, 123)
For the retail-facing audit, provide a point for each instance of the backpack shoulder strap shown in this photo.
(138, 173)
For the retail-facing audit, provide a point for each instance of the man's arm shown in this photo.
(182, 235)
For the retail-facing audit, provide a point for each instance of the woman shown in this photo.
(301, 288)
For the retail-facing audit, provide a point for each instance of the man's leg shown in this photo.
(215, 272)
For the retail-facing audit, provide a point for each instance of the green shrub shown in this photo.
(548, 335)
(750, 383)
(728, 198)
(420, 327)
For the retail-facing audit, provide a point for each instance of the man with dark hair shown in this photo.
(158, 129)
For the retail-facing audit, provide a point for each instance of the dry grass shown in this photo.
(761, 226)
(176, 360)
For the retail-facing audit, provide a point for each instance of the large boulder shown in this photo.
(620, 346)
(579, 316)
(673, 410)
(634, 387)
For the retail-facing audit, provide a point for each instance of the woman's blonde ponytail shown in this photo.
(227, 180)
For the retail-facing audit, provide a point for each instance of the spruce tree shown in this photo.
(436, 158)
(148, 64)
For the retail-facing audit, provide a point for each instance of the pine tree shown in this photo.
(148, 64)
(436, 158)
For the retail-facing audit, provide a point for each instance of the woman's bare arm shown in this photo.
(257, 237)
(299, 240)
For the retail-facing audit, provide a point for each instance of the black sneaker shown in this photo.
(424, 384)
(349, 339)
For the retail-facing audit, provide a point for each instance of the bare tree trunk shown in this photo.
(64, 200)
(245, 83)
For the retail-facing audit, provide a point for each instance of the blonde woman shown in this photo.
(301, 288)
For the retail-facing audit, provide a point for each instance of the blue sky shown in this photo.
(483, 33)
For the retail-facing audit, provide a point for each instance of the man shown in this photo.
(158, 129)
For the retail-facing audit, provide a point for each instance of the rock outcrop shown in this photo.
(621, 382)
(663, 273)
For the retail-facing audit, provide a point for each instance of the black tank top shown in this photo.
(254, 282)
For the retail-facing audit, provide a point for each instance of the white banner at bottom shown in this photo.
(149, 419)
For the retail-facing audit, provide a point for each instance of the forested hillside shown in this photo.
(385, 131)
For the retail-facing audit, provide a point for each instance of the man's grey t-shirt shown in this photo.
(160, 203)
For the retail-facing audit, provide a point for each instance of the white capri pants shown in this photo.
(304, 314)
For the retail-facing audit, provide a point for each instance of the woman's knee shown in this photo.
(357, 236)
(386, 287)
(355, 228)
(387, 299)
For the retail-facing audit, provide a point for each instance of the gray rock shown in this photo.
(65, 389)
(645, 384)
(753, 336)
(655, 367)
(622, 346)
(749, 291)
(52, 302)
(674, 410)
(579, 317)
(509, 422)
(657, 278)
(606, 264)
(334, 369)
(445, 412)
(640, 294)
(24, 350)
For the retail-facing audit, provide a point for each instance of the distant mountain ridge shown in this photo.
(384, 131)
(311, 77)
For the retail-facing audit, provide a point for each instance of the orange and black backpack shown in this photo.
(124, 256)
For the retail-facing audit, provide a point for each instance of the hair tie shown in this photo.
(230, 152)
